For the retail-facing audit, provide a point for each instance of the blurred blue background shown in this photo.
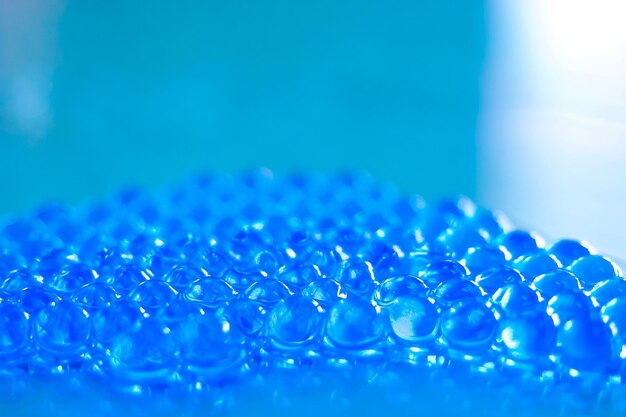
(97, 95)
(518, 104)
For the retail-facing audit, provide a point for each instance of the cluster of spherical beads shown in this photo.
(224, 276)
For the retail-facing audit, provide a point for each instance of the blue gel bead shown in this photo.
(248, 316)
(295, 321)
(614, 313)
(15, 331)
(35, 299)
(209, 345)
(71, 279)
(62, 328)
(153, 294)
(358, 278)
(482, 258)
(120, 317)
(458, 239)
(585, 345)
(298, 275)
(413, 320)
(485, 222)
(450, 292)
(518, 243)
(555, 282)
(127, 277)
(354, 324)
(267, 292)
(495, 278)
(10, 263)
(532, 266)
(529, 337)
(95, 296)
(440, 271)
(469, 325)
(326, 260)
(210, 292)
(143, 353)
(53, 262)
(605, 291)
(592, 269)
(569, 305)
(181, 276)
(20, 279)
(325, 291)
(515, 299)
(568, 250)
(214, 262)
(393, 288)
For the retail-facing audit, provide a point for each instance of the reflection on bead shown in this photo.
(605, 291)
(515, 299)
(393, 288)
(585, 345)
(210, 292)
(267, 292)
(568, 250)
(413, 319)
(518, 243)
(592, 269)
(153, 294)
(532, 266)
(354, 324)
(325, 291)
(14, 331)
(529, 337)
(569, 305)
(62, 328)
(95, 296)
(495, 278)
(295, 321)
(469, 325)
(482, 258)
(453, 291)
(555, 282)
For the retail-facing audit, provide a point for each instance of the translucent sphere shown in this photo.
(605, 291)
(248, 316)
(127, 277)
(70, 279)
(516, 299)
(210, 292)
(556, 282)
(393, 288)
(181, 276)
(469, 325)
(519, 243)
(358, 278)
(325, 291)
(95, 296)
(120, 317)
(62, 328)
(267, 292)
(614, 313)
(592, 269)
(153, 294)
(209, 345)
(17, 280)
(568, 250)
(15, 330)
(453, 291)
(440, 271)
(585, 345)
(35, 299)
(298, 275)
(495, 278)
(295, 321)
(532, 266)
(413, 319)
(354, 324)
(569, 305)
(528, 337)
(144, 353)
(482, 258)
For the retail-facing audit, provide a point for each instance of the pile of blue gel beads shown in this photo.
(304, 286)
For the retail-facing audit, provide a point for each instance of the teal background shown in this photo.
(149, 92)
